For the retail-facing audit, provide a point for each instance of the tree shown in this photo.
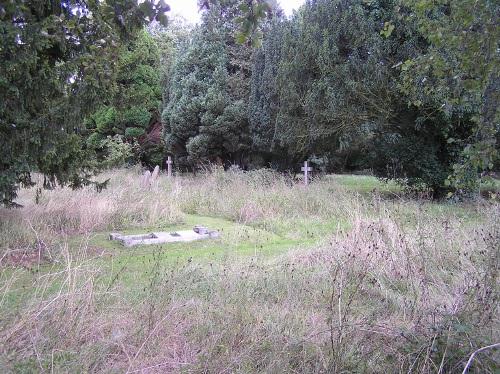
(205, 118)
(338, 81)
(131, 107)
(459, 74)
(333, 76)
(56, 61)
(263, 103)
(249, 19)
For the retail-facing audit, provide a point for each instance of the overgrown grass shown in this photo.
(333, 278)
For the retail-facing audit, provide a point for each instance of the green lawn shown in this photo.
(134, 263)
(364, 183)
(267, 237)
(235, 240)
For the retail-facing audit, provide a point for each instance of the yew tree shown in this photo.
(57, 61)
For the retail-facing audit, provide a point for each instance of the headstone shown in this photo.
(306, 169)
(169, 166)
(154, 176)
(146, 179)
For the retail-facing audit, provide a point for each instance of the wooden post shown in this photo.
(306, 169)
(169, 166)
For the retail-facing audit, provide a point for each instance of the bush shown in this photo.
(118, 152)
(134, 132)
(95, 140)
(136, 117)
(420, 153)
(105, 120)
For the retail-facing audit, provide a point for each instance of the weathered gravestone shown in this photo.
(155, 174)
(146, 179)
(198, 233)
(306, 169)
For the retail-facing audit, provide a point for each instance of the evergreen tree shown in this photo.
(333, 76)
(57, 60)
(131, 108)
(205, 118)
(264, 100)
(327, 84)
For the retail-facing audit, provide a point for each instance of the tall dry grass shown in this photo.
(403, 290)
(63, 212)
(261, 197)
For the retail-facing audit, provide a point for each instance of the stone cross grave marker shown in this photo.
(306, 169)
(169, 166)
(146, 179)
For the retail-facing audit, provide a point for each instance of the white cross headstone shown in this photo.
(306, 169)
(169, 166)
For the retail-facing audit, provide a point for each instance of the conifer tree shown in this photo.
(206, 116)
(264, 100)
(57, 61)
(131, 106)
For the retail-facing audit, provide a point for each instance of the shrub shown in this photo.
(135, 117)
(105, 120)
(118, 153)
(95, 140)
(134, 132)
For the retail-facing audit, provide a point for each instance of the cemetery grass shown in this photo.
(341, 277)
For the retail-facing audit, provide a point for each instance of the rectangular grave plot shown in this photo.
(198, 233)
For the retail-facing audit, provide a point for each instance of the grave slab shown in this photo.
(198, 233)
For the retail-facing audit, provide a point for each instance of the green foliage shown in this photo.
(138, 74)
(57, 60)
(118, 152)
(417, 156)
(206, 115)
(94, 140)
(132, 105)
(321, 75)
(387, 30)
(249, 19)
(105, 120)
(316, 78)
(133, 132)
(136, 116)
(459, 74)
(407, 88)
(383, 85)
(264, 96)
(153, 153)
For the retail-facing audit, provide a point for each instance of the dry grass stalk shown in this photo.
(404, 290)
